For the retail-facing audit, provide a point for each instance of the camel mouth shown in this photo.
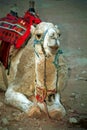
(53, 48)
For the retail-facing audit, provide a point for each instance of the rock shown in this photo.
(0, 128)
(82, 104)
(5, 121)
(3, 128)
(84, 72)
(73, 95)
(16, 113)
(79, 48)
(73, 120)
(40, 128)
(35, 119)
(70, 110)
(20, 128)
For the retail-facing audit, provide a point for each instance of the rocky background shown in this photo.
(71, 16)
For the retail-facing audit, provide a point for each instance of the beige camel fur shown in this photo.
(40, 74)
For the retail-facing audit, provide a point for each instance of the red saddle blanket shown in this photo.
(14, 31)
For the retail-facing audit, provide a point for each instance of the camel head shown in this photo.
(46, 38)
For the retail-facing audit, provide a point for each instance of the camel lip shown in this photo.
(53, 48)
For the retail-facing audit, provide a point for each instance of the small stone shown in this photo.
(73, 95)
(82, 105)
(40, 128)
(5, 121)
(35, 119)
(84, 72)
(3, 128)
(79, 48)
(70, 110)
(20, 129)
(0, 128)
(73, 120)
(16, 113)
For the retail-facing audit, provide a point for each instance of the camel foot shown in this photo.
(34, 112)
(56, 114)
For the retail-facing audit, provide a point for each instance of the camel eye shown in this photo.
(38, 36)
(59, 34)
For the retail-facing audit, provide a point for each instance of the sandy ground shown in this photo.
(71, 16)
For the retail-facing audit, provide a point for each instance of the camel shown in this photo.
(40, 72)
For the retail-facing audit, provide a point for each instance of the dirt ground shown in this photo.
(71, 16)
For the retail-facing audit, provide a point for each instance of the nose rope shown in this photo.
(56, 59)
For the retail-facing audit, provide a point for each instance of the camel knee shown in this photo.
(17, 100)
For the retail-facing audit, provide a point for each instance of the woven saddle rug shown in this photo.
(14, 34)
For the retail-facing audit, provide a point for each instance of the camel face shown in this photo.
(49, 39)
(51, 42)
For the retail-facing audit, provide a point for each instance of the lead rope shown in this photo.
(56, 63)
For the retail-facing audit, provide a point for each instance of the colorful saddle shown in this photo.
(15, 31)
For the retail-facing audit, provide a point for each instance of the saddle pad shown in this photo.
(14, 31)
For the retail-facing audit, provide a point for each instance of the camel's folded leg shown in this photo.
(56, 109)
(20, 101)
(17, 99)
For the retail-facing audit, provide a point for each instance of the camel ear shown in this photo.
(58, 28)
(32, 30)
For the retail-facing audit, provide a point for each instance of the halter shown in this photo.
(42, 92)
(56, 59)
